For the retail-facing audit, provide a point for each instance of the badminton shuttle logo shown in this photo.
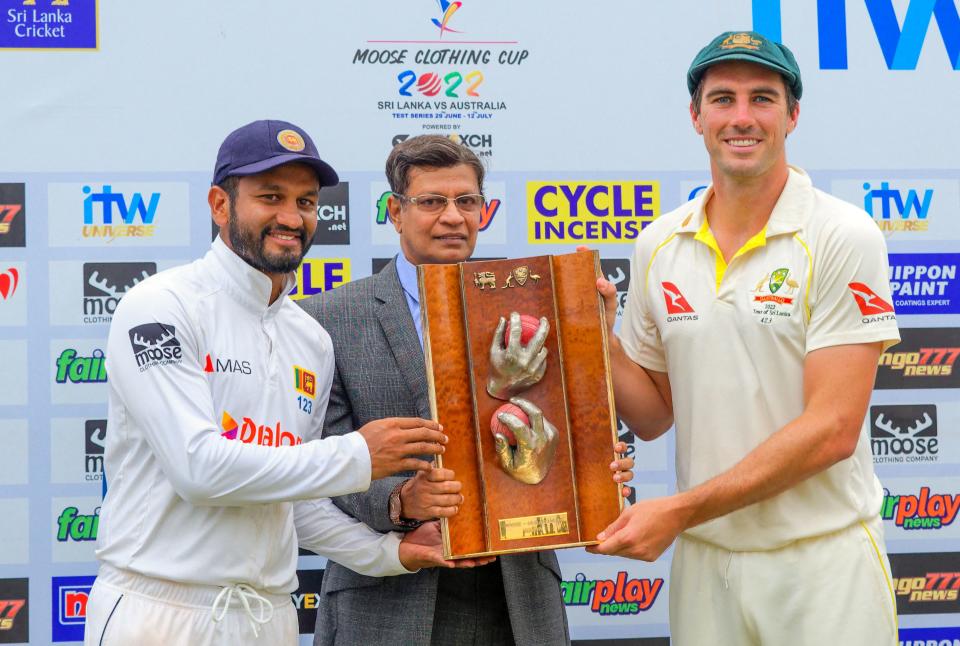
(448, 9)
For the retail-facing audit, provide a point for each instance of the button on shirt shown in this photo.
(733, 337)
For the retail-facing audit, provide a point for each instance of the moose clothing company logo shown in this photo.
(924, 358)
(904, 433)
(617, 271)
(119, 213)
(105, 283)
(14, 611)
(69, 600)
(155, 344)
(13, 223)
(77, 450)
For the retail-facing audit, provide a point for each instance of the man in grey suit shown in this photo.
(380, 372)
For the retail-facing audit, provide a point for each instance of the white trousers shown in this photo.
(126, 608)
(832, 589)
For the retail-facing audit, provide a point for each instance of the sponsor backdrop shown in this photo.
(583, 123)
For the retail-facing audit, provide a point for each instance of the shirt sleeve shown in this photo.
(639, 334)
(324, 529)
(154, 372)
(851, 300)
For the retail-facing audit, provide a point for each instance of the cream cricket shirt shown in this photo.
(216, 405)
(733, 338)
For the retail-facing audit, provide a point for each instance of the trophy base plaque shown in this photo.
(530, 415)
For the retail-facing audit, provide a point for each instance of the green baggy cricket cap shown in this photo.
(746, 46)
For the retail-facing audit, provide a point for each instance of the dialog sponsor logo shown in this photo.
(69, 598)
(250, 432)
(589, 212)
(904, 433)
(925, 283)
(621, 595)
(925, 358)
(316, 275)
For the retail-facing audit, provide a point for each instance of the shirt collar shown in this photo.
(248, 285)
(407, 273)
(788, 216)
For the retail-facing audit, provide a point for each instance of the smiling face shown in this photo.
(436, 238)
(744, 120)
(271, 222)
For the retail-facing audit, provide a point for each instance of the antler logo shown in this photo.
(155, 344)
(676, 303)
(868, 302)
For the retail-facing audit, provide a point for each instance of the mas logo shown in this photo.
(620, 596)
(218, 363)
(14, 611)
(69, 600)
(155, 344)
(925, 283)
(249, 432)
(594, 212)
(923, 511)
(315, 275)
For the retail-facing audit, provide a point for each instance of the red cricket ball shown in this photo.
(528, 327)
(496, 426)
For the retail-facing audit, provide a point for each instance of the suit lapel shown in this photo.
(397, 324)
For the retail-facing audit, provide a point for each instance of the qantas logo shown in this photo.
(676, 303)
(869, 303)
(678, 309)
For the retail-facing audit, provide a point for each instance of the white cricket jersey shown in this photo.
(733, 337)
(216, 406)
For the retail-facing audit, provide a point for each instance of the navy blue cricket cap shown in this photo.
(746, 46)
(262, 145)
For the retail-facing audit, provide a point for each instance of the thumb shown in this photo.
(615, 526)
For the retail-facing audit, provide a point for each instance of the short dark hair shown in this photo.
(230, 185)
(428, 151)
(697, 97)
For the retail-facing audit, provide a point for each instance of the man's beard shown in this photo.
(249, 246)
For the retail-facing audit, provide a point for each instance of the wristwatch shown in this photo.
(395, 507)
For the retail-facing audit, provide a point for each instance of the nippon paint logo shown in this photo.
(619, 596)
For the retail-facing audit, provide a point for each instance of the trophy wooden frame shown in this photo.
(460, 306)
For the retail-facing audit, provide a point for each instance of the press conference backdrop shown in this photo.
(113, 112)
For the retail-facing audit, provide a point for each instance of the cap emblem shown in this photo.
(740, 41)
(291, 140)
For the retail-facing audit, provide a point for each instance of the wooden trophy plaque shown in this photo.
(573, 497)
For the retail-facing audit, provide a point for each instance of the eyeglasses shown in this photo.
(430, 203)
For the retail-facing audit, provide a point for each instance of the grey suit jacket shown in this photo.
(380, 373)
